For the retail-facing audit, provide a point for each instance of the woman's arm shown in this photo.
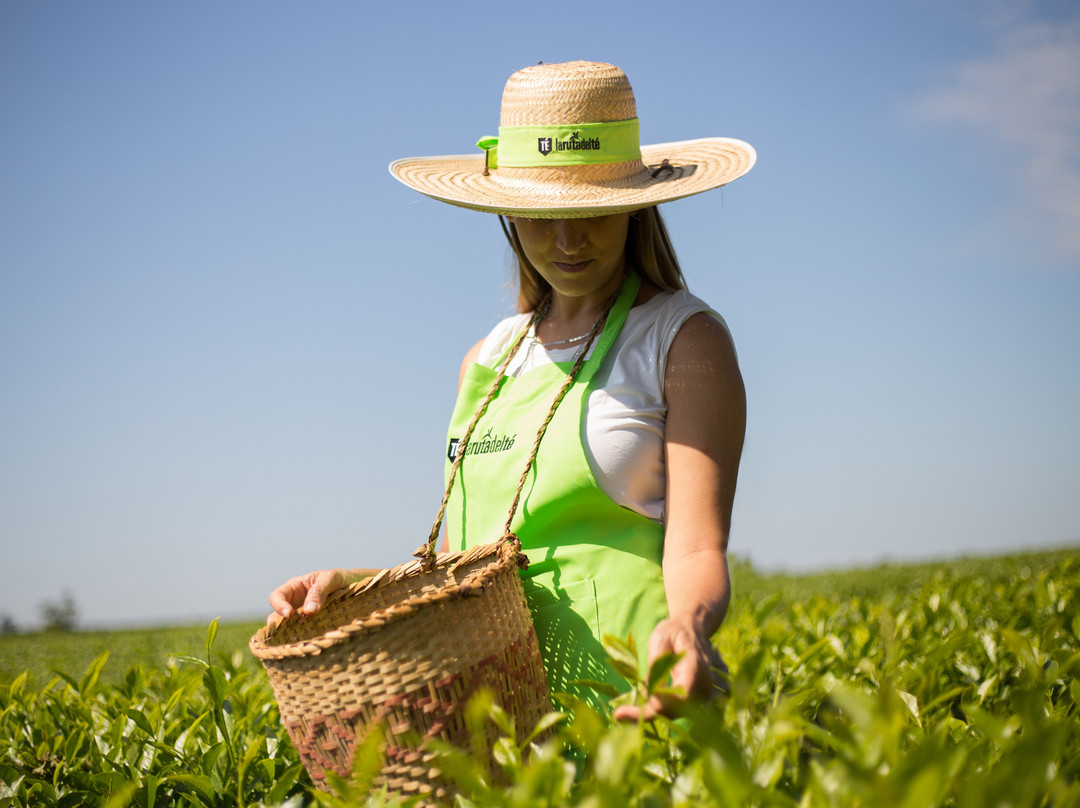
(703, 438)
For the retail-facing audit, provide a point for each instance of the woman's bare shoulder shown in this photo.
(704, 335)
(702, 358)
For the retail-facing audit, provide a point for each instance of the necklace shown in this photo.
(553, 343)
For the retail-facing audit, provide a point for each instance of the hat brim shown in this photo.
(695, 166)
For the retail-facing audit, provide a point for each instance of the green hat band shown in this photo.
(571, 145)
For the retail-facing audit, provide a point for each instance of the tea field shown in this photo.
(951, 684)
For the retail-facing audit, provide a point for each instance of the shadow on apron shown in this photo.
(567, 626)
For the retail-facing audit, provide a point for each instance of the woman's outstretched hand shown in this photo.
(692, 674)
(306, 593)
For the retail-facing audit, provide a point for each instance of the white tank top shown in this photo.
(625, 412)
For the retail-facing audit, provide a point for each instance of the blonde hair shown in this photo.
(648, 249)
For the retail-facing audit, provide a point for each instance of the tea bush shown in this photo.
(939, 685)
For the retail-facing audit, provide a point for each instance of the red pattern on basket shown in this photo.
(328, 741)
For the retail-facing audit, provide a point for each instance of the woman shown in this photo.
(625, 512)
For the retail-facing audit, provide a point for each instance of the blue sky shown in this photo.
(229, 340)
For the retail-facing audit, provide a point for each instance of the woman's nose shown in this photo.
(569, 235)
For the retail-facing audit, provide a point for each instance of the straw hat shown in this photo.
(568, 148)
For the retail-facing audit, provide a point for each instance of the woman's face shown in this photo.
(578, 257)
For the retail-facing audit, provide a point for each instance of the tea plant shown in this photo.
(954, 685)
(197, 732)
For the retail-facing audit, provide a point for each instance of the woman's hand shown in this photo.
(692, 674)
(306, 593)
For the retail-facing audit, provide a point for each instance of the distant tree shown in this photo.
(7, 625)
(60, 616)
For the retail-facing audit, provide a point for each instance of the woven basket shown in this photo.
(402, 653)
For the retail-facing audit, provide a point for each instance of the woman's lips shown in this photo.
(572, 268)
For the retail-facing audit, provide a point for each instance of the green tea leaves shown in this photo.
(944, 685)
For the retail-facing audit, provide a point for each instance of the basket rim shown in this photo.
(469, 587)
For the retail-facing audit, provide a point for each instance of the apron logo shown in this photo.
(486, 445)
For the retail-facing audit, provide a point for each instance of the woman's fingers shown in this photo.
(692, 674)
(306, 593)
(646, 712)
(324, 583)
(288, 596)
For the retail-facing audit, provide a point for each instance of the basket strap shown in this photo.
(426, 551)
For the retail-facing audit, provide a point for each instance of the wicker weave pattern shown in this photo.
(401, 653)
(572, 92)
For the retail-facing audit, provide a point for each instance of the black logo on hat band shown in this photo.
(546, 145)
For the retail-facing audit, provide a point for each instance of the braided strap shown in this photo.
(426, 552)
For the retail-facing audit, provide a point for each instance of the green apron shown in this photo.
(594, 565)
